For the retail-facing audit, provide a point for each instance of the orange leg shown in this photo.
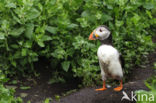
(102, 89)
(119, 88)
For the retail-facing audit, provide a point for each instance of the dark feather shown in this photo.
(107, 41)
(121, 61)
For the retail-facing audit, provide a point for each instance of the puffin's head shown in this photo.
(102, 32)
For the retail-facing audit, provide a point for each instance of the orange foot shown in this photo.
(117, 89)
(101, 89)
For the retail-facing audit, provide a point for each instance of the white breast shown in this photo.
(107, 53)
(110, 56)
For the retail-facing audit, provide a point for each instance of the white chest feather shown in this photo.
(107, 53)
(109, 61)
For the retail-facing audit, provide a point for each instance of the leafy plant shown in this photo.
(57, 97)
(7, 95)
(25, 87)
(47, 100)
(154, 65)
(56, 79)
(151, 84)
(58, 30)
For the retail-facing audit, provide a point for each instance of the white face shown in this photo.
(102, 32)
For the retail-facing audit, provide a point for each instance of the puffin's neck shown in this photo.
(107, 41)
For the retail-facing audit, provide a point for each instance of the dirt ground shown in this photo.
(40, 89)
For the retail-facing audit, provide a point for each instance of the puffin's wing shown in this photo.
(122, 61)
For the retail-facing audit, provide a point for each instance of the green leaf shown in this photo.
(51, 29)
(148, 6)
(119, 23)
(46, 38)
(11, 86)
(25, 87)
(71, 26)
(56, 79)
(65, 65)
(85, 13)
(98, 15)
(109, 6)
(17, 32)
(106, 18)
(47, 100)
(5, 24)
(29, 31)
(13, 63)
(57, 97)
(14, 46)
(28, 44)
(84, 23)
(2, 36)
(16, 18)
(34, 13)
(24, 52)
(135, 18)
(52, 2)
(28, 101)
(149, 14)
(11, 5)
(14, 82)
(41, 44)
(154, 65)
(23, 95)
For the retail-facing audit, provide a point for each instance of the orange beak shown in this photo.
(91, 37)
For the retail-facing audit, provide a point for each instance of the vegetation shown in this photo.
(6, 95)
(58, 30)
(151, 84)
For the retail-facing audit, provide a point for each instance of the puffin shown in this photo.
(110, 60)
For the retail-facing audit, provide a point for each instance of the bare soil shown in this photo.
(40, 89)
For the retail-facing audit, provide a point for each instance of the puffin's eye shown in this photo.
(100, 30)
